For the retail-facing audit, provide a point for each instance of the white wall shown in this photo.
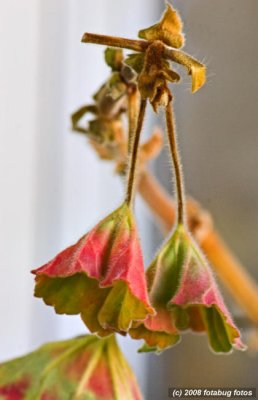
(53, 188)
(19, 51)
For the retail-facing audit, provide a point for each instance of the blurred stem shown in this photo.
(157, 199)
(134, 153)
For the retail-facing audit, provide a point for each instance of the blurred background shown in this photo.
(53, 187)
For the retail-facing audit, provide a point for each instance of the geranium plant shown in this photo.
(102, 276)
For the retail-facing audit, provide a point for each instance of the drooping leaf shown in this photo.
(195, 69)
(101, 277)
(82, 368)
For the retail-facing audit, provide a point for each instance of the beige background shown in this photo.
(217, 129)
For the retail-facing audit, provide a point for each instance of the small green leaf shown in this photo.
(216, 329)
(77, 116)
(114, 58)
(135, 61)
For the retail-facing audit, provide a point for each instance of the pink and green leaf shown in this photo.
(82, 368)
(101, 277)
(183, 291)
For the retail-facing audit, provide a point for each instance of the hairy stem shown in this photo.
(136, 45)
(134, 153)
(171, 131)
(132, 116)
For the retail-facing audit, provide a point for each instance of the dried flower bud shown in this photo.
(154, 74)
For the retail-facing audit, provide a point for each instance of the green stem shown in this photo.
(171, 131)
(134, 154)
